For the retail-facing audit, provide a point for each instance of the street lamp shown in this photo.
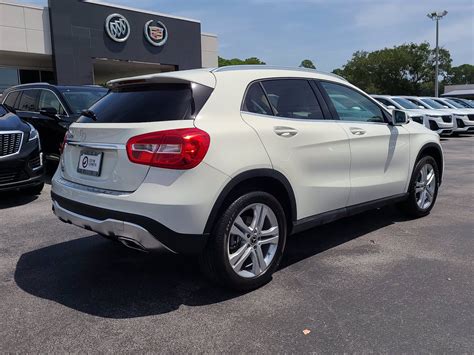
(437, 16)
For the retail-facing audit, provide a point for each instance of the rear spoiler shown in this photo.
(203, 77)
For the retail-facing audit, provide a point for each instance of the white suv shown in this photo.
(226, 163)
(432, 119)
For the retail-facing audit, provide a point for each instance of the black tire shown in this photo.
(410, 206)
(215, 260)
(33, 190)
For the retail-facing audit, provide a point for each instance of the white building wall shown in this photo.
(209, 48)
(24, 28)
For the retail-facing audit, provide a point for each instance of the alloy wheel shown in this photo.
(425, 186)
(253, 240)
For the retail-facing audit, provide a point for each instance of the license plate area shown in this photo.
(90, 163)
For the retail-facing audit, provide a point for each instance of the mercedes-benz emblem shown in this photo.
(117, 27)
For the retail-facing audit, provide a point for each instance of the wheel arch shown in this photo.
(434, 150)
(267, 180)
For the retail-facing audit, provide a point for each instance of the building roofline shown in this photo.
(102, 3)
(29, 6)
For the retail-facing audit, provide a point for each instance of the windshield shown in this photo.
(82, 98)
(454, 103)
(432, 103)
(405, 103)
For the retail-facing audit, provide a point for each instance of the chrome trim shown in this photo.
(102, 146)
(80, 187)
(19, 147)
(125, 231)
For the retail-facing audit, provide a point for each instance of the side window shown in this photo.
(28, 101)
(11, 98)
(352, 105)
(49, 99)
(256, 101)
(293, 98)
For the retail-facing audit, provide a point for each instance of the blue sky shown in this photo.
(284, 32)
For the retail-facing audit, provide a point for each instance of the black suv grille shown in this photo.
(447, 119)
(471, 117)
(10, 143)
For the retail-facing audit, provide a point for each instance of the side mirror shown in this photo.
(391, 107)
(399, 117)
(49, 111)
(422, 107)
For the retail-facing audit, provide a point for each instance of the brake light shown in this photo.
(180, 149)
(63, 144)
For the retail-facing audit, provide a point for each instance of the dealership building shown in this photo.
(74, 42)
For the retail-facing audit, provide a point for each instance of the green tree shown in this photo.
(463, 74)
(236, 61)
(307, 64)
(404, 69)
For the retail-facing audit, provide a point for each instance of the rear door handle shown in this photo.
(285, 131)
(357, 131)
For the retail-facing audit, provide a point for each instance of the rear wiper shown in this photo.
(89, 113)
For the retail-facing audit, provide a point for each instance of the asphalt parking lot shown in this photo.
(373, 282)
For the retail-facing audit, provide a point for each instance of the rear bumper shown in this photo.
(136, 231)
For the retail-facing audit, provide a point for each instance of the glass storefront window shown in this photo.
(8, 77)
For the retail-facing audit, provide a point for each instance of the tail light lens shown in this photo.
(172, 149)
(63, 144)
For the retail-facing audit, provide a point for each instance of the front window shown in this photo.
(405, 103)
(82, 98)
(49, 100)
(352, 105)
(432, 103)
(29, 101)
(454, 103)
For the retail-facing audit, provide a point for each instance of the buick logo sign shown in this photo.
(117, 27)
(156, 33)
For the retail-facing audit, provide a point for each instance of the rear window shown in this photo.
(150, 103)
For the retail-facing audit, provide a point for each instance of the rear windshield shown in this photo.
(150, 103)
(82, 98)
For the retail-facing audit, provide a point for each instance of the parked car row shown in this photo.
(446, 116)
(33, 121)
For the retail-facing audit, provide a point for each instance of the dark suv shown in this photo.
(51, 109)
(21, 161)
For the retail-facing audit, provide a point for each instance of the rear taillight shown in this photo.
(63, 144)
(181, 148)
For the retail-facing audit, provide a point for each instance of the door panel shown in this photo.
(313, 155)
(380, 160)
(379, 151)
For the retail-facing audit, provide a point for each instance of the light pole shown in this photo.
(437, 16)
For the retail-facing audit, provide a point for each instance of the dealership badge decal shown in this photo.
(117, 27)
(156, 33)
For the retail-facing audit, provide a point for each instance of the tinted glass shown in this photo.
(11, 98)
(432, 103)
(405, 103)
(29, 76)
(28, 101)
(256, 101)
(293, 98)
(352, 105)
(454, 103)
(384, 101)
(3, 111)
(82, 98)
(8, 78)
(150, 103)
(49, 99)
(418, 103)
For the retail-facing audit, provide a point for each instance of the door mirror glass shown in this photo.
(399, 117)
(49, 111)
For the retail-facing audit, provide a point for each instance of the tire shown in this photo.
(226, 240)
(412, 206)
(34, 190)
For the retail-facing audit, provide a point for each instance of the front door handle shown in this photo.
(357, 131)
(285, 131)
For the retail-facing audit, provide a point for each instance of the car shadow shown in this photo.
(15, 198)
(102, 278)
